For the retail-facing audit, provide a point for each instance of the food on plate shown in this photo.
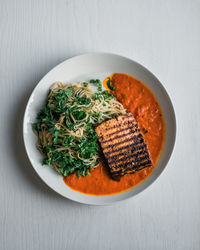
(102, 142)
(123, 146)
(65, 126)
(137, 99)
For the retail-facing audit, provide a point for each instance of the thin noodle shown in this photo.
(105, 109)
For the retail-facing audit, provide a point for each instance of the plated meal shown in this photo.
(99, 128)
(102, 142)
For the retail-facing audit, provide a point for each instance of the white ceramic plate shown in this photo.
(83, 68)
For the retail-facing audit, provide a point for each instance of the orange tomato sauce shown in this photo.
(141, 102)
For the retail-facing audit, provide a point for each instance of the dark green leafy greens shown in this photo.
(98, 83)
(66, 113)
(111, 87)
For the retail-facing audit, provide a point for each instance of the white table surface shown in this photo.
(162, 35)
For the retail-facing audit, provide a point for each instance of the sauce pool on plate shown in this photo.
(141, 102)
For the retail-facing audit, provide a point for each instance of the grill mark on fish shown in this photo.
(134, 138)
(143, 164)
(118, 125)
(117, 131)
(133, 168)
(130, 167)
(126, 147)
(123, 146)
(135, 156)
(127, 153)
(119, 136)
(134, 161)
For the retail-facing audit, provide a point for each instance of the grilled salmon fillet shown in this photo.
(123, 146)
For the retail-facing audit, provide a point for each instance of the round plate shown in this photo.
(83, 68)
